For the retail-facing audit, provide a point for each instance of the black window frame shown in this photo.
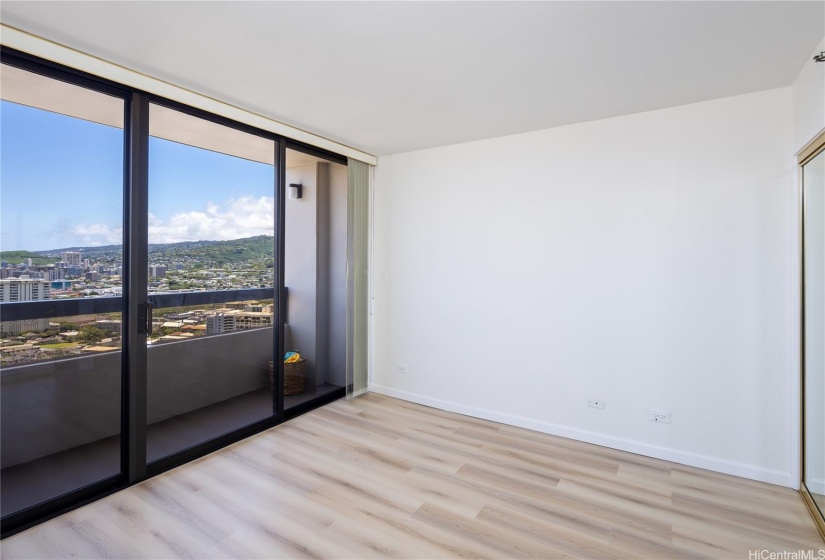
(134, 468)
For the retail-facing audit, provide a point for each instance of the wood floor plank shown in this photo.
(376, 477)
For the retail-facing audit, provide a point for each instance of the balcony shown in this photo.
(61, 418)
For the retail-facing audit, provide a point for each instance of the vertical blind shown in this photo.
(357, 276)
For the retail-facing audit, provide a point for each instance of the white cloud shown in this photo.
(95, 235)
(237, 218)
(234, 219)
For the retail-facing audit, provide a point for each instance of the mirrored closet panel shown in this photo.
(813, 313)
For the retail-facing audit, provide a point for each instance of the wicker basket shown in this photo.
(293, 376)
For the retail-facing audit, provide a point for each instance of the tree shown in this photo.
(90, 334)
(67, 326)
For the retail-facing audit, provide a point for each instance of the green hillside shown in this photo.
(208, 253)
(216, 253)
(17, 257)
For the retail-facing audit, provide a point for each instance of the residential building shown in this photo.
(220, 323)
(24, 288)
(25, 325)
(252, 320)
(227, 321)
(157, 271)
(71, 258)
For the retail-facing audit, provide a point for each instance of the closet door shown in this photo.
(813, 185)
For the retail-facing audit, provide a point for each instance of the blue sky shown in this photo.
(61, 185)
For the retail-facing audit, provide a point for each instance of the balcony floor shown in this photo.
(33, 482)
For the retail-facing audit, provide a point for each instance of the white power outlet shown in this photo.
(595, 403)
(661, 416)
(403, 370)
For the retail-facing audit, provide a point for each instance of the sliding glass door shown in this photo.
(315, 273)
(145, 303)
(61, 245)
(210, 281)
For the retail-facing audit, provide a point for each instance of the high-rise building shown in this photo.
(71, 258)
(220, 323)
(24, 288)
(157, 271)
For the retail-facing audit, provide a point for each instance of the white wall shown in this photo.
(315, 269)
(331, 307)
(809, 100)
(644, 260)
(809, 119)
(301, 264)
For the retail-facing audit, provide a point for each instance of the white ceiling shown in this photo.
(389, 77)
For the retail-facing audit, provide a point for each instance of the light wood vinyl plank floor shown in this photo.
(376, 477)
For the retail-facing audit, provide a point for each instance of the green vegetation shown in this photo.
(90, 334)
(257, 251)
(216, 253)
(59, 345)
(17, 257)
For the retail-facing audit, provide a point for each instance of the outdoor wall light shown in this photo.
(296, 191)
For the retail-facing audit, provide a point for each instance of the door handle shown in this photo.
(145, 322)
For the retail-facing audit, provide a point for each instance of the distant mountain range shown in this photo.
(214, 253)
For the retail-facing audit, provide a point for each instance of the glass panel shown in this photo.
(61, 214)
(315, 275)
(814, 188)
(211, 228)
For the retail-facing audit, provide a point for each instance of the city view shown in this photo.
(71, 206)
(210, 228)
(97, 272)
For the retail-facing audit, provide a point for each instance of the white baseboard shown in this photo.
(682, 457)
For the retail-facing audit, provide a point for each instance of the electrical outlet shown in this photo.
(595, 403)
(401, 369)
(661, 416)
